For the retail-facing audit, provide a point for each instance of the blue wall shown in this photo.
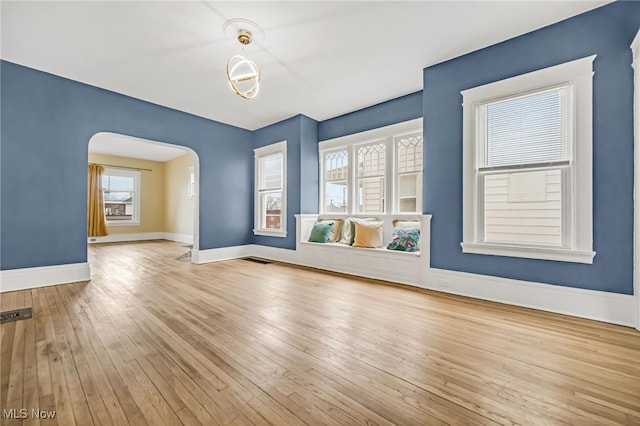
(309, 166)
(394, 111)
(301, 134)
(47, 122)
(607, 32)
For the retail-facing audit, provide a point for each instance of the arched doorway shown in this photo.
(164, 203)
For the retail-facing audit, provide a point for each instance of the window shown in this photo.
(336, 177)
(409, 172)
(270, 194)
(379, 171)
(371, 173)
(191, 183)
(527, 165)
(121, 196)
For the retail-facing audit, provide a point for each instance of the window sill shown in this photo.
(557, 254)
(116, 224)
(267, 233)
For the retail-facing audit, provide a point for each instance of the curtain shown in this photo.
(97, 222)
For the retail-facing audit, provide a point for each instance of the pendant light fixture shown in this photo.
(243, 74)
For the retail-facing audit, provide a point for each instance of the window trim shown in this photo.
(387, 134)
(579, 234)
(137, 199)
(259, 153)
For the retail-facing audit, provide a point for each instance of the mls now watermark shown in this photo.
(23, 413)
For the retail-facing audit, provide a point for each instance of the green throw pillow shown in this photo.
(321, 232)
(352, 237)
(404, 239)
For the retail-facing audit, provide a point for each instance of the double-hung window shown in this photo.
(121, 189)
(270, 190)
(371, 177)
(409, 173)
(336, 181)
(377, 172)
(527, 165)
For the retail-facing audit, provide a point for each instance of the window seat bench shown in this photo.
(378, 263)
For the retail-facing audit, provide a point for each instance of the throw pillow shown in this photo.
(320, 232)
(335, 231)
(349, 228)
(368, 234)
(404, 239)
(399, 223)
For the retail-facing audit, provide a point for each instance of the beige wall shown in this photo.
(178, 206)
(152, 203)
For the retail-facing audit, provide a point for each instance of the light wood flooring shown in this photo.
(155, 341)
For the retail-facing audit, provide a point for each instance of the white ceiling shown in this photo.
(321, 59)
(126, 146)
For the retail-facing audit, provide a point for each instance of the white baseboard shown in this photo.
(142, 236)
(180, 238)
(275, 253)
(220, 254)
(249, 250)
(21, 279)
(117, 238)
(597, 305)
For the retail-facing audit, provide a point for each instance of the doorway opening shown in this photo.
(150, 190)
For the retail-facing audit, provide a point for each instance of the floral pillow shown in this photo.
(404, 239)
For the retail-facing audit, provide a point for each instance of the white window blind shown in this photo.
(526, 130)
(272, 172)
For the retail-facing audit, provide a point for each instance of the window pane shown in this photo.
(271, 209)
(120, 183)
(271, 172)
(371, 160)
(408, 192)
(409, 154)
(528, 129)
(524, 207)
(409, 169)
(118, 205)
(119, 197)
(371, 195)
(336, 165)
(335, 196)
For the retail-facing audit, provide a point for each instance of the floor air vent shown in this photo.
(185, 257)
(16, 315)
(258, 260)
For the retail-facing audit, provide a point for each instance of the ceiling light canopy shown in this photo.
(243, 74)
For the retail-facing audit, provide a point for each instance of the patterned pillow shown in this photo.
(401, 223)
(321, 232)
(404, 239)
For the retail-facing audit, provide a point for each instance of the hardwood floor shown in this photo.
(154, 341)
